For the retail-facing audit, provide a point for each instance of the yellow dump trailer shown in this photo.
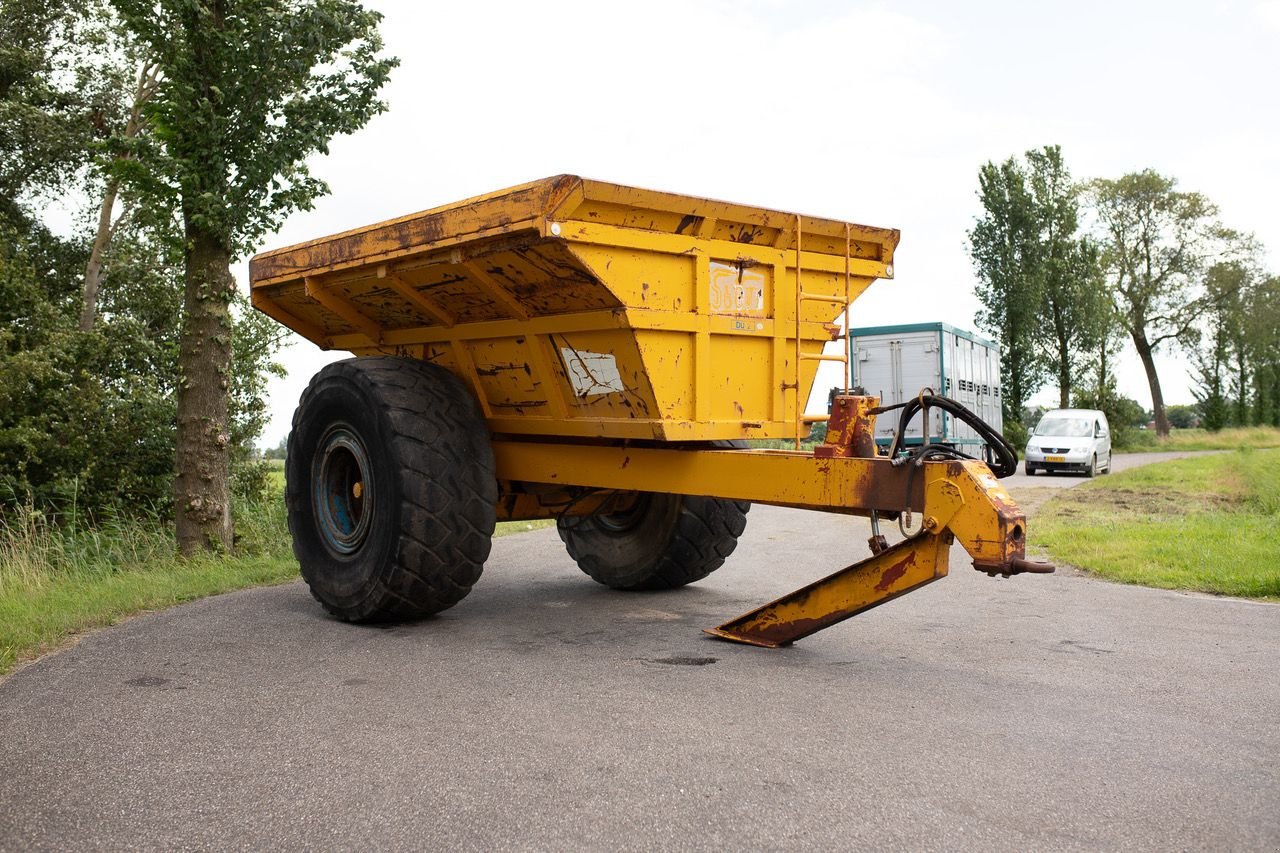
(596, 353)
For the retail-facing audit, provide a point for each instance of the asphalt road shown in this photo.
(546, 712)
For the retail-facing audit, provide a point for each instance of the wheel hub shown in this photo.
(342, 490)
(626, 518)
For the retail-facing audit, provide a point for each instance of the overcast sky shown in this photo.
(873, 112)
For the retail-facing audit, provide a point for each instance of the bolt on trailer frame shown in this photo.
(616, 339)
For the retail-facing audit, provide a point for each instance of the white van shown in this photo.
(1070, 440)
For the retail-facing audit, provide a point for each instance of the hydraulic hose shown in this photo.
(1000, 455)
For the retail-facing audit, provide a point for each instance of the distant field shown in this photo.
(1208, 523)
(1143, 441)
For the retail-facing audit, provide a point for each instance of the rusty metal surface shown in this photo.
(582, 308)
(1015, 566)
(559, 503)
(881, 577)
(499, 212)
(783, 478)
(851, 428)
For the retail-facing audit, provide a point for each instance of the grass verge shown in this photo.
(1209, 524)
(57, 582)
(1257, 438)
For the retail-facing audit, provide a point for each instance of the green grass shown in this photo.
(57, 582)
(1210, 524)
(1258, 438)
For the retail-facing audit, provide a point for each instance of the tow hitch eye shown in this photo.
(1016, 566)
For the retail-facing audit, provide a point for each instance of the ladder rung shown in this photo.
(819, 297)
(809, 356)
(815, 419)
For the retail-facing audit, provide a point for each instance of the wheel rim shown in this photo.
(627, 519)
(343, 493)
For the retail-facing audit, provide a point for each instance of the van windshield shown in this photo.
(1065, 427)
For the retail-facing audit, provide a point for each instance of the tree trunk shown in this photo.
(1275, 395)
(202, 495)
(1064, 375)
(1102, 369)
(1242, 386)
(1153, 380)
(1013, 392)
(1062, 355)
(93, 269)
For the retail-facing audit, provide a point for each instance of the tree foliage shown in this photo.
(1004, 251)
(1156, 242)
(247, 91)
(1238, 361)
(1038, 279)
(1123, 413)
(87, 414)
(87, 418)
(1074, 308)
(250, 90)
(1263, 313)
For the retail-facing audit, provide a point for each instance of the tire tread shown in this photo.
(437, 437)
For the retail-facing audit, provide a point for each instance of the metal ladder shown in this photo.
(846, 357)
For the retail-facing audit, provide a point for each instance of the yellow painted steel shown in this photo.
(779, 477)
(880, 578)
(582, 308)
(603, 328)
(957, 496)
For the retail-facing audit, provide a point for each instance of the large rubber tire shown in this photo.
(390, 489)
(662, 541)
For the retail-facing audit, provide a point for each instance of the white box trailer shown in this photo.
(896, 362)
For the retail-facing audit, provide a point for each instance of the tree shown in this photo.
(1211, 396)
(1226, 287)
(1263, 329)
(47, 100)
(87, 414)
(86, 419)
(247, 91)
(1004, 249)
(1123, 413)
(1036, 272)
(1067, 265)
(1156, 243)
(1182, 417)
(135, 124)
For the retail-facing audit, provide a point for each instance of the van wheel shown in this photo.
(1028, 470)
(1092, 470)
(390, 489)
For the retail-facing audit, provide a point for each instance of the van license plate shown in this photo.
(1055, 459)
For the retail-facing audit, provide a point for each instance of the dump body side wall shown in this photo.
(580, 308)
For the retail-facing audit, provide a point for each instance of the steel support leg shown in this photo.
(881, 577)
